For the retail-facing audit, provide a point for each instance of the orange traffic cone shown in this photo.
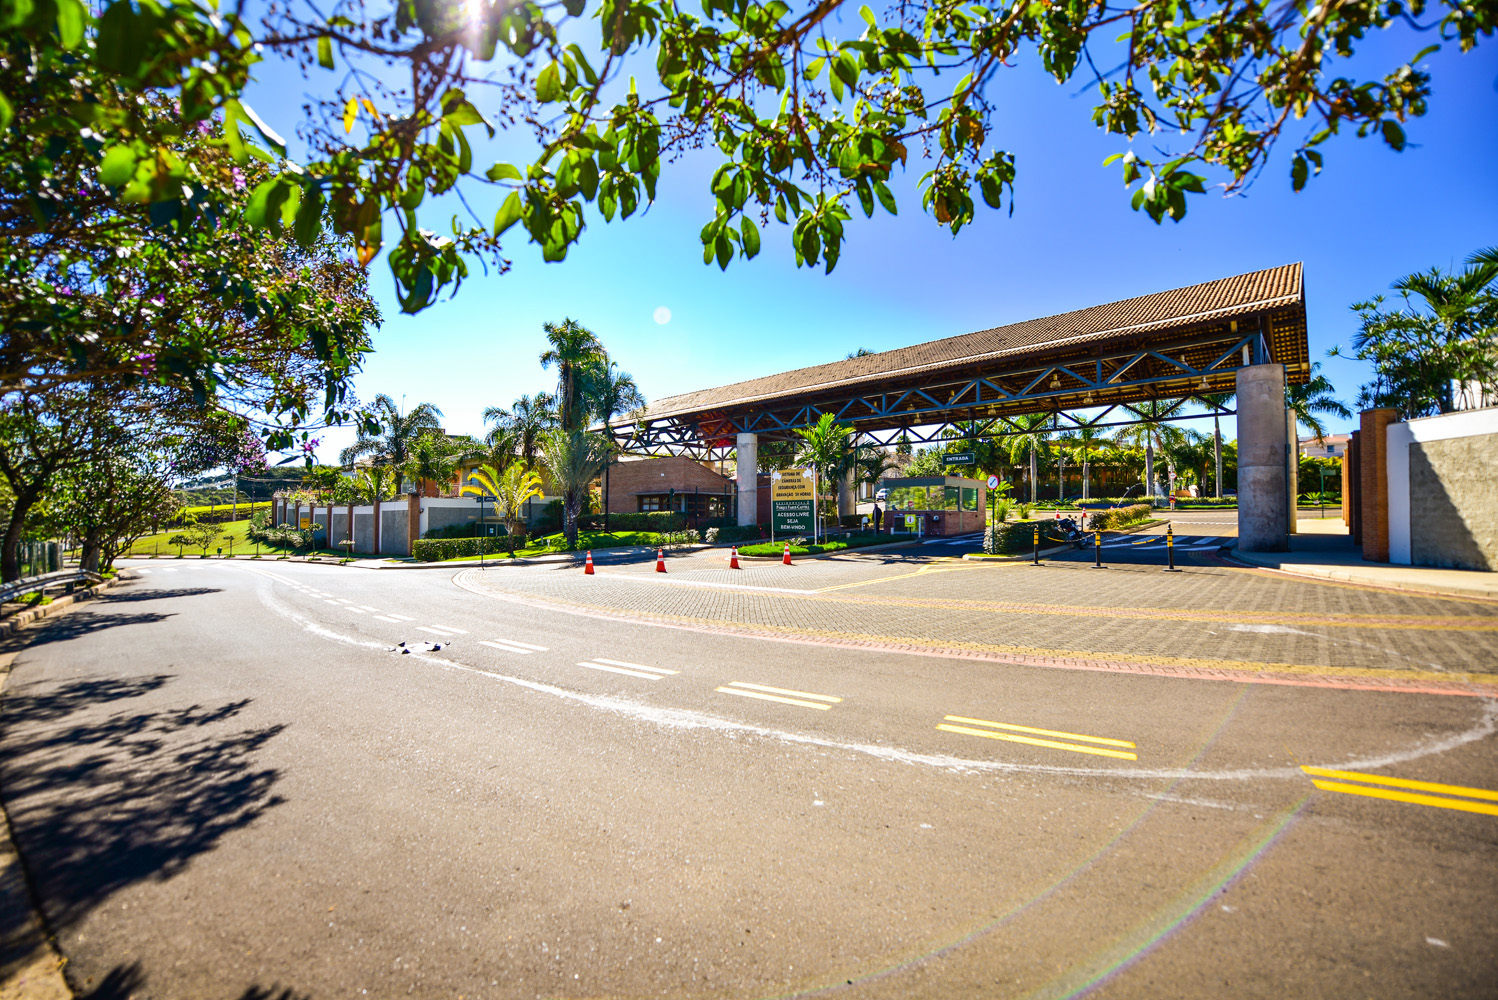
(786, 558)
(733, 558)
(588, 566)
(660, 560)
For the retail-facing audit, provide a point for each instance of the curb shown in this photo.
(1130, 529)
(13, 624)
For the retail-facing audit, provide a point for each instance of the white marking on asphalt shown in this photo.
(681, 718)
(434, 631)
(508, 647)
(388, 618)
(528, 647)
(631, 669)
(764, 692)
(143, 570)
(331, 601)
(357, 611)
(366, 607)
(402, 618)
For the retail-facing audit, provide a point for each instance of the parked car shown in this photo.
(881, 495)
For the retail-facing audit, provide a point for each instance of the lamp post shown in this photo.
(482, 537)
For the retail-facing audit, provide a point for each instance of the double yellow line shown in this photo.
(1010, 733)
(1368, 785)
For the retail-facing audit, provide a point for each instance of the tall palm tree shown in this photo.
(1218, 401)
(1081, 444)
(1193, 452)
(397, 433)
(1033, 435)
(523, 423)
(435, 458)
(1314, 397)
(874, 464)
(607, 393)
(574, 458)
(573, 348)
(824, 447)
(1152, 430)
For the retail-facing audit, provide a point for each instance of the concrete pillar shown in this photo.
(375, 538)
(1292, 467)
(847, 497)
(1262, 514)
(1373, 467)
(746, 471)
(413, 522)
(349, 530)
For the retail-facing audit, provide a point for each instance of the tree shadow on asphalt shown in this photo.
(75, 625)
(101, 797)
(126, 981)
(159, 594)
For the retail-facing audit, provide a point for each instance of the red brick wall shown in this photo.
(660, 475)
(1373, 456)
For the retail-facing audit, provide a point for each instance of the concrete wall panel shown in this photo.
(393, 530)
(363, 532)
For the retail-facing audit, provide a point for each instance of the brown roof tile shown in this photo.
(1225, 297)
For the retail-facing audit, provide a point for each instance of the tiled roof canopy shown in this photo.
(1275, 297)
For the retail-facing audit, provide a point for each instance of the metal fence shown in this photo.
(40, 557)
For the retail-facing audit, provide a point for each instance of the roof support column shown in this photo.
(746, 471)
(1263, 515)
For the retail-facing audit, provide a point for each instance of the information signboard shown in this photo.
(958, 458)
(791, 502)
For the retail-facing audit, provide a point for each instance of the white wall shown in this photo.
(1463, 423)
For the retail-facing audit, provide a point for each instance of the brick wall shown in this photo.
(627, 480)
(1374, 459)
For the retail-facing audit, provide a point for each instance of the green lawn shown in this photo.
(838, 544)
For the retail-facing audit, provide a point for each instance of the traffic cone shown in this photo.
(660, 560)
(786, 558)
(588, 566)
(733, 558)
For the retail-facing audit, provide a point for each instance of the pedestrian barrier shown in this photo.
(1097, 549)
(1170, 545)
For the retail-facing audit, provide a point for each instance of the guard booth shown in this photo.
(939, 505)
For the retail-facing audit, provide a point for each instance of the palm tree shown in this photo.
(511, 489)
(1081, 444)
(1218, 401)
(573, 348)
(1314, 397)
(398, 431)
(873, 464)
(523, 423)
(574, 458)
(435, 458)
(1193, 452)
(824, 446)
(1033, 435)
(373, 484)
(1152, 430)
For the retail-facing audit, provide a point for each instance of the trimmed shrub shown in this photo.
(679, 539)
(437, 549)
(1118, 517)
(470, 530)
(650, 520)
(1009, 537)
(733, 534)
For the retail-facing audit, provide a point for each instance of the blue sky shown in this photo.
(1072, 241)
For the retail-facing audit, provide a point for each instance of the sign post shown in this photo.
(792, 503)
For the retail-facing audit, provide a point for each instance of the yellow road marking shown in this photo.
(1422, 786)
(923, 571)
(822, 706)
(1042, 732)
(1051, 744)
(1419, 800)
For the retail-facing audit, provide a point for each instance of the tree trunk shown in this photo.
(1217, 457)
(1034, 476)
(10, 552)
(1149, 466)
(88, 558)
(1086, 475)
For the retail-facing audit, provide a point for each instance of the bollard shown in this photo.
(1037, 545)
(1097, 549)
(1170, 549)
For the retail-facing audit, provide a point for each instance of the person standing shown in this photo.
(878, 517)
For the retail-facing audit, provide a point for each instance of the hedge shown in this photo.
(1011, 537)
(438, 549)
(1118, 517)
(650, 520)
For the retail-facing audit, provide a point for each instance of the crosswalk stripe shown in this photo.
(388, 618)
(402, 618)
(434, 631)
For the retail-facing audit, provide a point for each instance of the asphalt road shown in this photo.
(227, 782)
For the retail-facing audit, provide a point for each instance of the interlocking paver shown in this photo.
(1211, 620)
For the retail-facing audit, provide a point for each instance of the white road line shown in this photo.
(366, 607)
(329, 600)
(763, 692)
(388, 618)
(632, 673)
(634, 666)
(452, 629)
(507, 648)
(357, 611)
(402, 618)
(143, 570)
(434, 631)
(523, 646)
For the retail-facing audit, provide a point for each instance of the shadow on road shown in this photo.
(126, 981)
(159, 594)
(75, 625)
(102, 796)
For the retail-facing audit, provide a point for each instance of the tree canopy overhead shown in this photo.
(810, 107)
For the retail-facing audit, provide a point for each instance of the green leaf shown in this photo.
(71, 16)
(266, 132)
(886, 197)
(325, 52)
(309, 216)
(549, 83)
(118, 166)
(1299, 170)
(724, 249)
(1393, 134)
(509, 213)
(751, 236)
(503, 172)
(7, 113)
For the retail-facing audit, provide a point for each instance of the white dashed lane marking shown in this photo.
(435, 631)
(629, 669)
(388, 618)
(512, 646)
(802, 699)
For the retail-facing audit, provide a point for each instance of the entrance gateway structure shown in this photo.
(1244, 335)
